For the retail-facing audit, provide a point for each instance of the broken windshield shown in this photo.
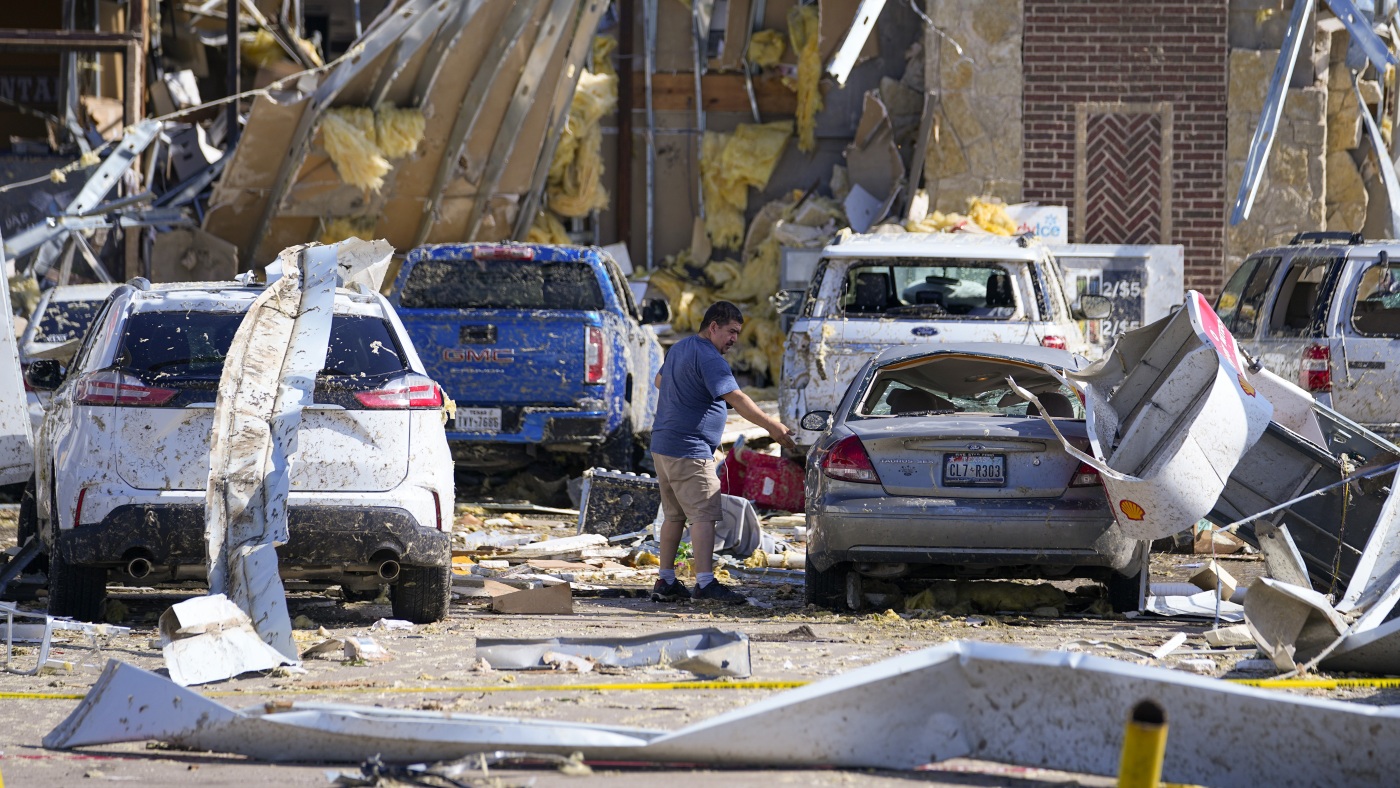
(952, 383)
(959, 289)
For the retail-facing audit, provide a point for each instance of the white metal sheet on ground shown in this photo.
(992, 702)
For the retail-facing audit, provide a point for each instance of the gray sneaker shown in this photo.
(675, 591)
(715, 591)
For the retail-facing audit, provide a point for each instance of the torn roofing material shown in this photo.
(992, 702)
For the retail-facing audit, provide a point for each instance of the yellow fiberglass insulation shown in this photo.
(547, 229)
(260, 49)
(603, 48)
(397, 132)
(724, 200)
(766, 48)
(991, 216)
(575, 185)
(355, 156)
(803, 30)
(730, 164)
(361, 118)
(688, 301)
(337, 230)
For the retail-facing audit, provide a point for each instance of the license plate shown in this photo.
(478, 420)
(974, 470)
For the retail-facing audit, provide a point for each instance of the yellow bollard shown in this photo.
(1144, 746)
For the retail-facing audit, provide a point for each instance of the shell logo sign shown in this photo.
(1132, 510)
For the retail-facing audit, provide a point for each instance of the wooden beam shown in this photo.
(723, 93)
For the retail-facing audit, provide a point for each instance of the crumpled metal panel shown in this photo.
(705, 652)
(1012, 705)
(268, 378)
(1170, 414)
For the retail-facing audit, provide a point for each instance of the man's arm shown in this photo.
(748, 409)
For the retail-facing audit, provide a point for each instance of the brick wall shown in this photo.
(1173, 52)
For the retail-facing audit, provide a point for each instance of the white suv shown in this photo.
(122, 458)
(870, 292)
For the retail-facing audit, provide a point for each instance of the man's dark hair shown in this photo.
(721, 312)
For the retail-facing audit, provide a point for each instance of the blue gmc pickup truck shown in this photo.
(542, 347)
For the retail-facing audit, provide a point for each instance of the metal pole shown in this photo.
(232, 133)
(359, 31)
(698, 43)
(650, 47)
(627, 47)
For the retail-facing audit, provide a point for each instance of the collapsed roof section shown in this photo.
(476, 169)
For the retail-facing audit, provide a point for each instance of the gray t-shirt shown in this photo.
(690, 410)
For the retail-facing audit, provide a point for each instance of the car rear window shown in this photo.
(969, 290)
(192, 345)
(1376, 311)
(949, 384)
(465, 284)
(63, 321)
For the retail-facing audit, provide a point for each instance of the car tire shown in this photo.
(422, 593)
(827, 589)
(1123, 592)
(75, 591)
(618, 451)
(360, 595)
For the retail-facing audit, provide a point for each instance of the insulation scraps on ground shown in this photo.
(804, 27)
(732, 162)
(691, 285)
(766, 48)
(987, 214)
(575, 184)
(360, 141)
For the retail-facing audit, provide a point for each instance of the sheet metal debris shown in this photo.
(41, 632)
(209, 638)
(957, 700)
(269, 376)
(704, 652)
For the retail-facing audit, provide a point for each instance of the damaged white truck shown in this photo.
(123, 457)
(870, 292)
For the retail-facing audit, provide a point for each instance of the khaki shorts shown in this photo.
(689, 489)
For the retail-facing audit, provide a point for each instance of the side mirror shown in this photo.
(43, 374)
(817, 420)
(655, 310)
(1093, 307)
(787, 301)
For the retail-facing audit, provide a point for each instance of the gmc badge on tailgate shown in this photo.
(458, 355)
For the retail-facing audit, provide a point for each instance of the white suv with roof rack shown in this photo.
(871, 292)
(122, 458)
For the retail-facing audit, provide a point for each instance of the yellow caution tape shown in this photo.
(1381, 683)
(634, 687)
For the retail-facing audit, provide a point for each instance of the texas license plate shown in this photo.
(974, 470)
(478, 420)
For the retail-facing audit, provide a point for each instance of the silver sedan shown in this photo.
(932, 466)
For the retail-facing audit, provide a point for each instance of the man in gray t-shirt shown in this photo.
(696, 383)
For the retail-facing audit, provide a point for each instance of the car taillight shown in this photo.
(78, 510)
(437, 509)
(849, 462)
(1315, 373)
(1057, 343)
(595, 356)
(114, 388)
(503, 252)
(407, 392)
(1084, 476)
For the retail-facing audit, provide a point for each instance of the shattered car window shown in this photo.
(63, 321)
(951, 384)
(962, 289)
(446, 284)
(192, 345)
(1377, 308)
